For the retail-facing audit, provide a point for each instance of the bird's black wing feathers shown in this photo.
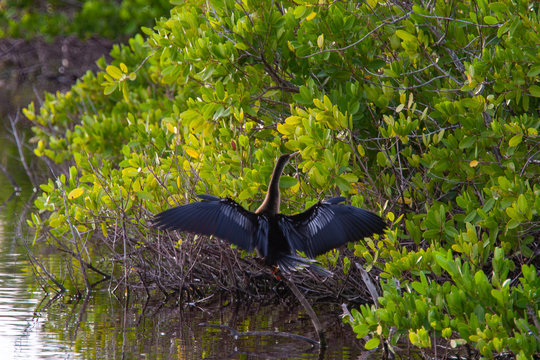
(328, 225)
(223, 218)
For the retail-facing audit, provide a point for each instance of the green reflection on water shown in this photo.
(106, 327)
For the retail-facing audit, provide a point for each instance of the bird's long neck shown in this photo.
(270, 205)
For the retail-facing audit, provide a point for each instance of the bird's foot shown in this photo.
(275, 271)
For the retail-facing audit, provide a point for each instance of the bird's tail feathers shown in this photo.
(290, 263)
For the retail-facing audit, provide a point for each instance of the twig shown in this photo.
(87, 264)
(11, 179)
(236, 334)
(20, 147)
(529, 160)
(369, 284)
(38, 264)
(75, 235)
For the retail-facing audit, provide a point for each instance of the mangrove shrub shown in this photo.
(425, 111)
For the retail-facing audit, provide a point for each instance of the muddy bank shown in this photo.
(28, 68)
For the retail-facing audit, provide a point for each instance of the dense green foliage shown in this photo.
(50, 18)
(430, 111)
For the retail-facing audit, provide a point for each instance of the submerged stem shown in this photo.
(309, 310)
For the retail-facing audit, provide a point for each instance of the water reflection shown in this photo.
(21, 336)
(106, 327)
(118, 325)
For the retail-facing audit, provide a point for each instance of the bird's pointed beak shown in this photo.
(294, 154)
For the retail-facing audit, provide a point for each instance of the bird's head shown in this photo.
(286, 157)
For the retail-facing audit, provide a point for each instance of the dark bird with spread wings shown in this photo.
(277, 238)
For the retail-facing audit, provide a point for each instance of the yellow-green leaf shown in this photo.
(515, 140)
(361, 150)
(75, 193)
(240, 45)
(299, 11)
(290, 45)
(194, 154)
(403, 35)
(104, 229)
(115, 72)
(413, 338)
(490, 20)
(311, 16)
(372, 343)
(372, 3)
(320, 41)
(125, 91)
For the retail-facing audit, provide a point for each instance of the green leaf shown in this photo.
(110, 89)
(419, 287)
(381, 159)
(47, 187)
(446, 264)
(522, 203)
(404, 35)
(343, 184)
(243, 140)
(220, 90)
(467, 142)
(146, 30)
(535, 70)
(299, 11)
(329, 157)
(286, 182)
(498, 7)
(534, 90)
(490, 20)
(361, 330)
(145, 196)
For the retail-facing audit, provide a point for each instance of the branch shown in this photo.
(456, 20)
(359, 40)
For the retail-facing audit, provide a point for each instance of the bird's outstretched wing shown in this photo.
(223, 218)
(327, 225)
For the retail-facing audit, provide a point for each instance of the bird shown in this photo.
(277, 238)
